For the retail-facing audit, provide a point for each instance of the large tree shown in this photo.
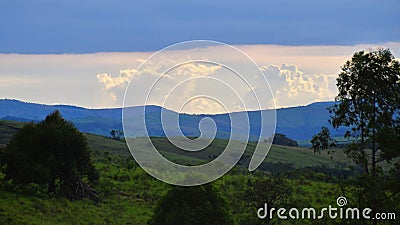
(52, 153)
(368, 104)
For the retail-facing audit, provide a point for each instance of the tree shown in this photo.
(116, 134)
(322, 140)
(192, 205)
(261, 189)
(369, 105)
(369, 101)
(281, 139)
(52, 153)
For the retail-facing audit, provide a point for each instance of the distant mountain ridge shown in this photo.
(298, 123)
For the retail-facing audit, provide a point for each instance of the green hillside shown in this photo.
(278, 158)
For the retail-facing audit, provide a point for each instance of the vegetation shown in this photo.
(322, 140)
(369, 102)
(369, 107)
(52, 153)
(279, 157)
(281, 139)
(192, 205)
(128, 195)
(117, 134)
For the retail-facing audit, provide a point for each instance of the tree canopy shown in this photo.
(52, 153)
(192, 205)
(322, 140)
(369, 104)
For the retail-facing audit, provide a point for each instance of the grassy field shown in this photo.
(282, 156)
(129, 195)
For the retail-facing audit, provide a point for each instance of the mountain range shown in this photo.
(298, 123)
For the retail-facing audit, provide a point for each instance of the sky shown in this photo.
(85, 52)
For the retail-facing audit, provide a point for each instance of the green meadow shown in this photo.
(128, 195)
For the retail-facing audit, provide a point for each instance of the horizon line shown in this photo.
(116, 108)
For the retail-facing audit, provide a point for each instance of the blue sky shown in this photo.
(87, 26)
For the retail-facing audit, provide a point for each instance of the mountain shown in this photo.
(298, 123)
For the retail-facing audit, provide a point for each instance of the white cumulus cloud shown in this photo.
(290, 85)
(114, 85)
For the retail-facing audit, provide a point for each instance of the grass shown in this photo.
(106, 144)
(293, 157)
(129, 194)
(128, 197)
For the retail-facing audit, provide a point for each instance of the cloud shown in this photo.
(170, 84)
(111, 82)
(188, 72)
(196, 69)
(149, 74)
(173, 66)
(114, 85)
(298, 75)
(290, 85)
